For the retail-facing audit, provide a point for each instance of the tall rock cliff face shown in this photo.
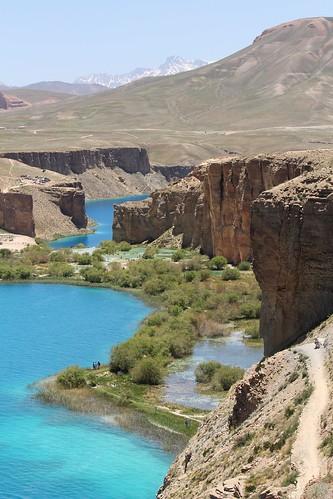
(211, 206)
(129, 159)
(292, 242)
(44, 211)
(16, 213)
(180, 206)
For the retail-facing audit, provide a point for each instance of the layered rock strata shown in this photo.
(211, 206)
(129, 159)
(292, 241)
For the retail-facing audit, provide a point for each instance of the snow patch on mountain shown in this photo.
(171, 66)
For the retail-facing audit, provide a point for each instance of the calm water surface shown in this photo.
(48, 452)
(100, 210)
(231, 350)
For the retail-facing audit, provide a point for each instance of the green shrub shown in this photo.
(180, 347)
(179, 255)
(7, 272)
(147, 372)
(217, 263)
(190, 276)
(230, 274)
(124, 246)
(72, 377)
(149, 253)
(232, 297)
(24, 272)
(59, 269)
(194, 263)
(5, 253)
(204, 275)
(36, 254)
(83, 259)
(250, 310)
(244, 266)
(225, 377)
(206, 370)
(93, 275)
(253, 331)
(58, 256)
(123, 357)
(155, 286)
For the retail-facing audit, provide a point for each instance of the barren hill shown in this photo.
(275, 94)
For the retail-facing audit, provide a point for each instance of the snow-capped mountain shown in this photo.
(171, 66)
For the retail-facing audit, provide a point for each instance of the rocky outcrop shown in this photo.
(293, 258)
(129, 159)
(173, 172)
(180, 206)
(16, 213)
(211, 206)
(11, 102)
(43, 210)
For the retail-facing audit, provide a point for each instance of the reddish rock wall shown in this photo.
(211, 206)
(16, 213)
(292, 241)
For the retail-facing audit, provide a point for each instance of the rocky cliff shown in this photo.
(129, 159)
(16, 213)
(292, 243)
(11, 101)
(38, 205)
(180, 206)
(211, 206)
(111, 172)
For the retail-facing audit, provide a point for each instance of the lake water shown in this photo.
(101, 211)
(48, 452)
(181, 385)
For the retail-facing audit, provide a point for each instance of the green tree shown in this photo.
(72, 377)
(147, 372)
(217, 263)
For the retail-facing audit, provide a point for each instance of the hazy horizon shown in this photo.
(65, 40)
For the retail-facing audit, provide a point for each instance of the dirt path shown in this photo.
(305, 453)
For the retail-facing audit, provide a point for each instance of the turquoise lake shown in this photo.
(100, 210)
(48, 452)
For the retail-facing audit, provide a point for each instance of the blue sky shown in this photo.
(63, 39)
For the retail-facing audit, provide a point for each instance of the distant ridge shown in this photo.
(171, 66)
(66, 88)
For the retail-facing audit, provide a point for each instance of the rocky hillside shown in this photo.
(108, 172)
(39, 205)
(244, 448)
(274, 95)
(211, 207)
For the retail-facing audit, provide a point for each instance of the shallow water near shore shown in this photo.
(49, 452)
(181, 387)
(101, 211)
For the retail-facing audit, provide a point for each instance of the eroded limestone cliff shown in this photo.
(292, 243)
(211, 206)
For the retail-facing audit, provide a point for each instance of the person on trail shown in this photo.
(317, 343)
(187, 459)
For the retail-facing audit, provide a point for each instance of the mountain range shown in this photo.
(274, 95)
(172, 65)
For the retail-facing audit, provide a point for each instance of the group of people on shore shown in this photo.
(96, 365)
